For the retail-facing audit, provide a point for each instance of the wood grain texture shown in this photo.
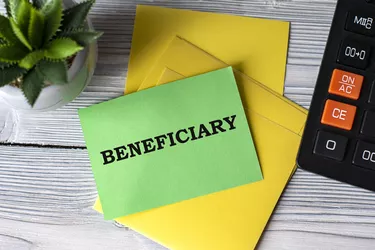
(96, 236)
(47, 188)
(46, 198)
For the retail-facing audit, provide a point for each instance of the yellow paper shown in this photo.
(235, 218)
(256, 47)
(182, 56)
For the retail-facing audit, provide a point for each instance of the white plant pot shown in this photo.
(56, 96)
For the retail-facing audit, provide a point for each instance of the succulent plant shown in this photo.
(37, 39)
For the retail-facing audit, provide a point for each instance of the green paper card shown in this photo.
(170, 143)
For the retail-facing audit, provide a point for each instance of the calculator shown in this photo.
(339, 137)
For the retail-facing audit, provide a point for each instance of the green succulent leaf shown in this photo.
(32, 85)
(31, 59)
(52, 10)
(18, 32)
(7, 7)
(11, 53)
(55, 72)
(21, 15)
(39, 3)
(62, 48)
(6, 31)
(84, 38)
(75, 16)
(36, 27)
(13, 5)
(8, 74)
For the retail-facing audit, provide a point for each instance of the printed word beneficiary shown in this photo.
(171, 139)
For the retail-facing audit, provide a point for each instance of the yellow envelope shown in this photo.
(187, 60)
(235, 218)
(256, 47)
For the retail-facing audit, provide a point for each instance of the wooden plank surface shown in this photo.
(46, 184)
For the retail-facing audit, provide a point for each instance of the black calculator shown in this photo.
(339, 136)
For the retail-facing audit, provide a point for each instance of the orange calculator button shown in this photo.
(346, 84)
(338, 114)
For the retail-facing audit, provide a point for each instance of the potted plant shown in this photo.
(47, 53)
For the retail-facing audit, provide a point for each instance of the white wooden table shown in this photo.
(47, 188)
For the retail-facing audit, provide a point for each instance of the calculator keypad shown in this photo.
(349, 85)
(339, 136)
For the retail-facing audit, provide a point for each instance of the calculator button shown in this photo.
(368, 124)
(364, 155)
(330, 145)
(338, 114)
(346, 84)
(361, 23)
(371, 99)
(354, 54)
